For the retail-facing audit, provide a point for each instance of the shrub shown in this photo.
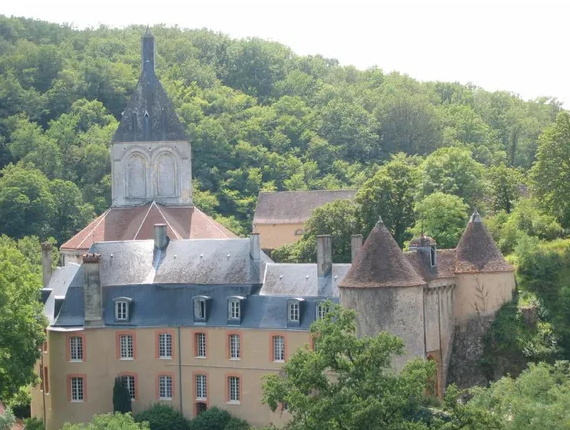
(107, 422)
(163, 417)
(7, 420)
(237, 424)
(218, 419)
(33, 424)
(121, 396)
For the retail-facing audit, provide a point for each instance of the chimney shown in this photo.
(92, 292)
(355, 245)
(255, 256)
(160, 237)
(46, 263)
(324, 265)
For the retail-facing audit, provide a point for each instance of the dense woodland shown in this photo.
(423, 155)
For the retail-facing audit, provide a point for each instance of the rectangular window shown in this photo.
(121, 311)
(77, 389)
(234, 346)
(76, 348)
(130, 382)
(164, 345)
(201, 393)
(278, 348)
(234, 309)
(233, 387)
(46, 380)
(165, 387)
(200, 309)
(127, 346)
(200, 342)
(322, 310)
(293, 311)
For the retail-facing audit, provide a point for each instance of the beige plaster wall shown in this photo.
(101, 366)
(482, 294)
(274, 235)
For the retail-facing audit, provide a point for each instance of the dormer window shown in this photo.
(433, 256)
(122, 309)
(234, 309)
(294, 312)
(322, 310)
(201, 308)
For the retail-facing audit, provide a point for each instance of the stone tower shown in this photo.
(386, 292)
(150, 154)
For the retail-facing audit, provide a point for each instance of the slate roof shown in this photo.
(57, 287)
(445, 264)
(291, 207)
(283, 279)
(381, 263)
(203, 261)
(150, 114)
(137, 223)
(477, 251)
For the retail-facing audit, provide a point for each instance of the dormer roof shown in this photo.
(150, 114)
(381, 264)
(477, 251)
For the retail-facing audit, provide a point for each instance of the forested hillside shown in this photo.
(259, 117)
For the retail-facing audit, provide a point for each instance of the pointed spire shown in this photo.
(475, 217)
(379, 223)
(148, 48)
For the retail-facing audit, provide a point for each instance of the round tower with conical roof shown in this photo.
(386, 292)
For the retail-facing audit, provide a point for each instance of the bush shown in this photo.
(218, 419)
(33, 424)
(163, 417)
(7, 420)
(237, 424)
(107, 422)
(121, 396)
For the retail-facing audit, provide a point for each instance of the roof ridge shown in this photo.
(309, 191)
(143, 220)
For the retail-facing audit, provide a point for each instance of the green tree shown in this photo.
(443, 217)
(347, 382)
(21, 320)
(7, 420)
(71, 214)
(551, 171)
(390, 194)
(116, 421)
(121, 396)
(505, 183)
(454, 171)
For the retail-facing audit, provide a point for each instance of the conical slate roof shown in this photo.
(477, 251)
(381, 264)
(150, 115)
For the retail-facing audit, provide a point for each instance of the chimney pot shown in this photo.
(46, 263)
(355, 245)
(324, 265)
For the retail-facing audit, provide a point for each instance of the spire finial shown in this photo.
(475, 217)
(379, 223)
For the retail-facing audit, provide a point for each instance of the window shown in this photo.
(77, 393)
(76, 348)
(131, 386)
(294, 311)
(164, 345)
(200, 309)
(126, 345)
(234, 340)
(322, 310)
(46, 380)
(234, 309)
(433, 256)
(233, 389)
(122, 310)
(165, 387)
(278, 348)
(200, 342)
(201, 390)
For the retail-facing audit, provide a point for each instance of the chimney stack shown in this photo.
(92, 292)
(324, 265)
(160, 237)
(46, 263)
(355, 245)
(255, 256)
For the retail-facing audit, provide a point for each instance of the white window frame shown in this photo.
(165, 346)
(234, 309)
(201, 382)
(234, 389)
(121, 310)
(294, 312)
(200, 309)
(165, 387)
(235, 347)
(279, 349)
(322, 310)
(131, 386)
(200, 339)
(77, 389)
(126, 347)
(76, 349)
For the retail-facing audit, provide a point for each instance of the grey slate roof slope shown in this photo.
(301, 280)
(195, 261)
(164, 305)
(445, 264)
(58, 285)
(289, 207)
(150, 114)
